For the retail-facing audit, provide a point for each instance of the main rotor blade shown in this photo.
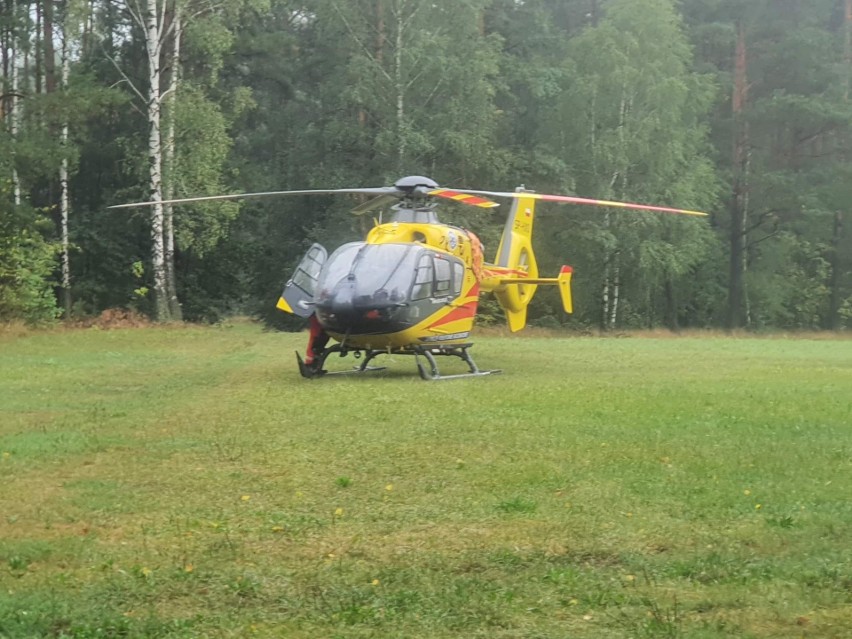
(464, 197)
(582, 200)
(381, 190)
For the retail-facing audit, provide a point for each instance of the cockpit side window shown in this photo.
(458, 277)
(423, 278)
(442, 276)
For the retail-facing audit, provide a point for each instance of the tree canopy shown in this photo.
(738, 108)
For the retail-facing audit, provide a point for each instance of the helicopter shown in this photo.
(412, 286)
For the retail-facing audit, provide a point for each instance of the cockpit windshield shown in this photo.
(378, 274)
(337, 267)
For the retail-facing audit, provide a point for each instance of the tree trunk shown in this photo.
(737, 294)
(49, 50)
(400, 89)
(38, 53)
(64, 200)
(616, 288)
(88, 29)
(169, 161)
(835, 281)
(671, 305)
(14, 115)
(594, 12)
(835, 297)
(847, 46)
(607, 283)
(155, 162)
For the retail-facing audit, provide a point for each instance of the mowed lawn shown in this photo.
(186, 482)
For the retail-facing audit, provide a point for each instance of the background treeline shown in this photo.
(737, 107)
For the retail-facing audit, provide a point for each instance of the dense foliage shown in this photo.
(740, 108)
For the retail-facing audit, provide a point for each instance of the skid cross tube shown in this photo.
(429, 353)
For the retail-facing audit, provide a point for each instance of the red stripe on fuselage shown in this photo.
(465, 311)
(461, 313)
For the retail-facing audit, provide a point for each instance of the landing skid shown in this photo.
(315, 369)
(429, 373)
(460, 351)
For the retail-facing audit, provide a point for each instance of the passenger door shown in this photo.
(298, 295)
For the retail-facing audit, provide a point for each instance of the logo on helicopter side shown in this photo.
(445, 338)
(452, 240)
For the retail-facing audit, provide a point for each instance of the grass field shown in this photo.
(185, 482)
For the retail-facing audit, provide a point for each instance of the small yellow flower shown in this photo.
(245, 497)
(389, 487)
(758, 506)
(338, 512)
(375, 582)
(145, 572)
(630, 577)
(278, 529)
(188, 568)
(573, 602)
(746, 492)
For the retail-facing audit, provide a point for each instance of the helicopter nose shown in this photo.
(350, 314)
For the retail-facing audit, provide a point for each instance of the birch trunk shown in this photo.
(153, 30)
(14, 115)
(38, 76)
(616, 287)
(400, 88)
(606, 301)
(169, 162)
(64, 200)
(612, 282)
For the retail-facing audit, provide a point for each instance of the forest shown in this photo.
(740, 108)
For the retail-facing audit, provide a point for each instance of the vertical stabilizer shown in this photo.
(515, 255)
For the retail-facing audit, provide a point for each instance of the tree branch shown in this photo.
(123, 75)
(360, 43)
(135, 13)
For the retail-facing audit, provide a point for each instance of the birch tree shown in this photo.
(15, 99)
(627, 127)
(169, 159)
(163, 24)
(150, 17)
(64, 199)
(413, 103)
